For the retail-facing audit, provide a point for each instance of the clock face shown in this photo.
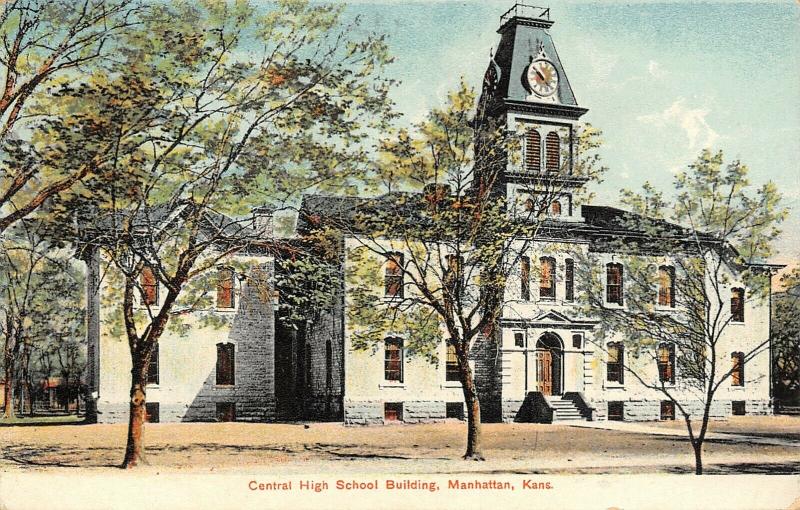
(542, 77)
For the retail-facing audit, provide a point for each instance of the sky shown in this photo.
(662, 80)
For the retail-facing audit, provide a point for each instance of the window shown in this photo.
(737, 305)
(577, 341)
(454, 410)
(519, 339)
(149, 286)
(225, 286)
(666, 362)
(533, 148)
(226, 411)
(225, 364)
(328, 365)
(555, 208)
(614, 283)
(452, 372)
(393, 279)
(547, 283)
(738, 408)
(616, 411)
(525, 278)
(737, 371)
(151, 412)
(393, 360)
(666, 286)
(569, 280)
(614, 368)
(667, 410)
(553, 146)
(152, 367)
(393, 411)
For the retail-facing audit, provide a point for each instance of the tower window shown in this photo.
(547, 283)
(533, 148)
(553, 146)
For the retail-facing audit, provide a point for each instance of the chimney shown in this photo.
(262, 221)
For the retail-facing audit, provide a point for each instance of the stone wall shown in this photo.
(323, 399)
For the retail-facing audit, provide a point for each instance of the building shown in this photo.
(543, 364)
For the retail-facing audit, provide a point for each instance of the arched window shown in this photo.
(614, 366)
(614, 289)
(666, 362)
(452, 372)
(533, 150)
(226, 364)
(553, 146)
(666, 286)
(547, 282)
(737, 371)
(737, 305)
(393, 276)
(555, 208)
(393, 360)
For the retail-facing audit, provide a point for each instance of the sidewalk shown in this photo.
(645, 428)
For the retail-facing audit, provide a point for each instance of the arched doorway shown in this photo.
(549, 364)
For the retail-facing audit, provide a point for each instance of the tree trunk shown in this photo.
(473, 410)
(8, 404)
(134, 451)
(698, 457)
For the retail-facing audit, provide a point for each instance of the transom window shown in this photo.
(393, 360)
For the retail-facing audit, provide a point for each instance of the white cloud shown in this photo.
(691, 120)
(655, 70)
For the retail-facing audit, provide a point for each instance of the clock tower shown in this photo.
(527, 93)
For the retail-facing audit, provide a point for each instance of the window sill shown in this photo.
(392, 299)
(737, 388)
(614, 306)
(152, 386)
(451, 384)
(665, 309)
(737, 323)
(224, 386)
(613, 386)
(224, 309)
(387, 385)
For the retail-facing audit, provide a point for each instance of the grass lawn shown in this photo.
(422, 448)
(58, 419)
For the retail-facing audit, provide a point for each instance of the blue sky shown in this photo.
(662, 80)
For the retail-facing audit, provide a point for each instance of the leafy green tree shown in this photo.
(45, 45)
(679, 302)
(40, 304)
(786, 340)
(211, 110)
(449, 235)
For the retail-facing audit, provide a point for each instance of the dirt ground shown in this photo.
(402, 448)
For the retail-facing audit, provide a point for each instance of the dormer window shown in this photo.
(533, 148)
(553, 148)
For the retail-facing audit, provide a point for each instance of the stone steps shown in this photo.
(564, 410)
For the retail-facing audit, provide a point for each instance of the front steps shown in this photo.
(564, 410)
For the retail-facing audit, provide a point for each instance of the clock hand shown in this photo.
(539, 73)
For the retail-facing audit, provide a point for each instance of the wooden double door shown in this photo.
(548, 371)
